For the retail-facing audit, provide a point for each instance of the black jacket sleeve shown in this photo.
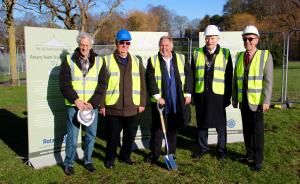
(150, 80)
(193, 77)
(100, 91)
(228, 82)
(65, 84)
(188, 88)
(143, 84)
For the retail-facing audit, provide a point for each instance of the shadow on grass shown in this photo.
(187, 140)
(13, 132)
(143, 136)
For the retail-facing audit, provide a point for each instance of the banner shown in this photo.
(45, 49)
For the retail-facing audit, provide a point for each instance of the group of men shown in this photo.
(116, 85)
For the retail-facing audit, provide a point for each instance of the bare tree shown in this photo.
(75, 14)
(204, 22)
(111, 5)
(83, 8)
(164, 17)
(180, 23)
(9, 6)
(63, 10)
(3, 35)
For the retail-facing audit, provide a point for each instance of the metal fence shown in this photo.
(4, 61)
(291, 69)
(104, 49)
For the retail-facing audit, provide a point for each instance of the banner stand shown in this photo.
(52, 159)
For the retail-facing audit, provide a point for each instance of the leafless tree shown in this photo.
(9, 7)
(75, 13)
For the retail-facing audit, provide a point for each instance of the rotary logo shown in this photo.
(231, 123)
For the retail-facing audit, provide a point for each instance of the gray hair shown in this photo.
(82, 35)
(167, 38)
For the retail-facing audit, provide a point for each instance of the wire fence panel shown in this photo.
(293, 67)
(103, 50)
(4, 61)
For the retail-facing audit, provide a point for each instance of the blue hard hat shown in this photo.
(123, 34)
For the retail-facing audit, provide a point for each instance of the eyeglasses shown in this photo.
(250, 39)
(124, 43)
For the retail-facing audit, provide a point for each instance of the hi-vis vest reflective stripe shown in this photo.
(221, 60)
(84, 86)
(157, 73)
(255, 76)
(113, 91)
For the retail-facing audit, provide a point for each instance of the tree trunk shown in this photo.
(83, 21)
(12, 54)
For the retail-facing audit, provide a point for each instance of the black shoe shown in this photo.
(69, 170)
(221, 156)
(151, 159)
(127, 161)
(90, 167)
(109, 164)
(246, 160)
(199, 154)
(257, 167)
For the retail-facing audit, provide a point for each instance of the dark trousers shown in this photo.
(203, 137)
(115, 124)
(253, 130)
(171, 123)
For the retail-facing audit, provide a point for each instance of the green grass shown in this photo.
(281, 165)
(6, 78)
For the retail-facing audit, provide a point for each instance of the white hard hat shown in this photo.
(86, 117)
(250, 30)
(211, 30)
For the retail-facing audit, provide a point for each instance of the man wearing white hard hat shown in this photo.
(83, 84)
(252, 90)
(212, 68)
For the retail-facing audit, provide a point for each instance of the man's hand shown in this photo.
(161, 101)
(102, 111)
(80, 104)
(141, 109)
(265, 107)
(88, 106)
(187, 100)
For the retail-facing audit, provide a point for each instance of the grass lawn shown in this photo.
(281, 164)
(6, 78)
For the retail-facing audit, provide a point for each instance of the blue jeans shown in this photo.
(72, 135)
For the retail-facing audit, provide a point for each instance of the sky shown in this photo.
(192, 9)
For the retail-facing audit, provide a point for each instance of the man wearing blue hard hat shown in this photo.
(125, 98)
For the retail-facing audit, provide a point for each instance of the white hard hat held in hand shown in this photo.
(211, 30)
(86, 117)
(250, 30)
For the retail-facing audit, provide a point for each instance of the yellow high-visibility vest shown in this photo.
(218, 84)
(84, 86)
(255, 76)
(157, 72)
(113, 88)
